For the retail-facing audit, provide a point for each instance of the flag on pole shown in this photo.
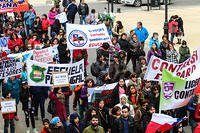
(162, 123)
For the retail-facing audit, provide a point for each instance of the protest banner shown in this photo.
(4, 44)
(183, 70)
(13, 6)
(42, 55)
(60, 79)
(8, 106)
(11, 67)
(62, 17)
(177, 92)
(40, 74)
(86, 36)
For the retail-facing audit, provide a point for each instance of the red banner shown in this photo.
(13, 6)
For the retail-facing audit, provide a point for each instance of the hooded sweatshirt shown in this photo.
(130, 106)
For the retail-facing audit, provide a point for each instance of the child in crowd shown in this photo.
(46, 128)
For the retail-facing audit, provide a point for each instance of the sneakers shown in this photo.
(16, 118)
(35, 130)
(28, 130)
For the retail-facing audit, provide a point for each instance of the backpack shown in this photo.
(51, 107)
(94, 70)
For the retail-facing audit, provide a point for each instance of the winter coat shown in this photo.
(172, 24)
(37, 28)
(64, 55)
(83, 9)
(33, 42)
(142, 34)
(124, 44)
(29, 18)
(24, 98)
(73, 128)
(90, 129)
(119, 125)
(104, 118)
(100, 66)
(172, 56)
(151, 52)
(12, 43)
(192, 106)
(138, 98)
(72, 9)
(180, 24)
(116, 70)
(45, 24)
(151, 41)
(134, 47)
(83, 52)
(83, 96)
(145, 120)
(100, 51)
(8, 116)
(60, 107)
(65, 3)
(14, 88)
(52, 18)
(138, 120)
(56, 26)
(184, 53)
(115, 33)
(163, 48)
(112, 118)
(45, 131)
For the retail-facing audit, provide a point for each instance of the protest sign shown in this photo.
(60, 79)
(42, 55)
(183, 70)
(62, 17)
(8, 106)
(11, 67)
(40, 74)
(13, 6)
(177, 92)
(4, 44)
(86, 36)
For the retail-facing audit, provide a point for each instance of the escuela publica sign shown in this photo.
(86, 36)
(9, 68)
(183, 70)
(40, 74)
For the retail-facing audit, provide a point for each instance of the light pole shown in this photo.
(166, 27)
(112, 6)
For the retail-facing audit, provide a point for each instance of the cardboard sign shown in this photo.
(8, 106)
(60, 79)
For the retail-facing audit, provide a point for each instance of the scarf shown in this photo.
(133, 99)
(61, 98)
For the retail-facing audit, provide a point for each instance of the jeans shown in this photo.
(39, 101)
(6, 125)
(65, 125)
(172, 37)
(27, 29)
(29, 114)
(83, 18)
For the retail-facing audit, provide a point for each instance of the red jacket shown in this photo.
(76, 52)
(60, 107)
(45, 24)
(171, 25)
(33, 43)
(43, 131)
(11, 43)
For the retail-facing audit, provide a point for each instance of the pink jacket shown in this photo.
(171, 25)
(52, 17)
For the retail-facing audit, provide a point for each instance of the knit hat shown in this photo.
(55, 120)
(53, 34)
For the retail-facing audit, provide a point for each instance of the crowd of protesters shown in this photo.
(131, 104)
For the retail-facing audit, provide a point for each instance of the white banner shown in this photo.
(86, 36)
(40, 74)
(11, 67)
(183, 70)
(4, 44)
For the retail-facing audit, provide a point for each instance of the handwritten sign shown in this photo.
(60, 79)
(62, 17)
(43, 55)
(8, 106)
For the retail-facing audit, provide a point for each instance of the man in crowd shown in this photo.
(83, 11)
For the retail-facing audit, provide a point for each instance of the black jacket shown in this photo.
(24, 96)
(63, 54)
(83, 9)
(180, 24)
(124, 44)
(118, 126)
(104, 118)
(163, 48)
(56, 26)
(145, 121)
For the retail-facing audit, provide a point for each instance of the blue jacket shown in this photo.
(142, 34)
(151, 41)
(29, 19)
(14, 88)
(72, 9)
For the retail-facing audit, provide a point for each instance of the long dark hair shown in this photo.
(88, 80)
(120, 24)
(156, 47)
(55, 90)
(129, 92)
(14, 33)
(88, 113)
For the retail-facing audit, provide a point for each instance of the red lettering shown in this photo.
(178, 74)
(171, 68)
(179, 67)
(183, 74)
(154, 62)
(188, 62)
(184, 65)
(188, 72)
(163, 65)
(158, 76)
(193, 68)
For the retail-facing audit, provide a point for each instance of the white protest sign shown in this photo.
(8, 106)
(4, 44)
(183, 70)
(11, 67)
(86, 36)
(62, 17)
(42, 55)
(60, 79)
(40, 74)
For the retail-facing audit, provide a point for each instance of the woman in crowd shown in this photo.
(36, 27)
(118, 30)
(124, 44)
(163, 46)
(88, 115)
(134, 80)
(115, 113)
(75, 126)
(64, 52)
(52, 17)
(56, 126)
(61, 34)
(155, 98)
(173, 25)
(171, 54)
(45, 24)
(58, 96)
(34, 41)
(13, 41)
(119, 89)
(154, 51)
(184, 52)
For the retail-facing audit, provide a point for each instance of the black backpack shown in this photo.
(51, 107)
(94, 71)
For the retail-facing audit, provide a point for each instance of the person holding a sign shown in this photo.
(8, 117)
